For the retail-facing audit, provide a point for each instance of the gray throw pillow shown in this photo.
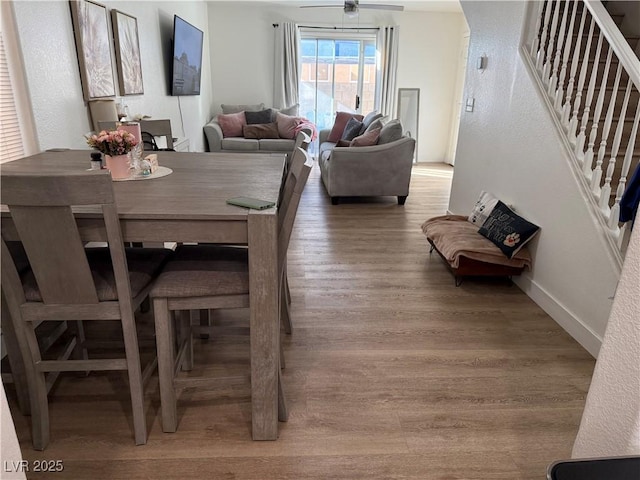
(292, 111)
(391, 132)
(261, 117)
(231, 108)
(351, 129)
(368, 120)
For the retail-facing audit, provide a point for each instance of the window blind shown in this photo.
(11, 144)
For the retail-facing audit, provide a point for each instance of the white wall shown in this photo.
(611, 420)
(242, 52)
(53, 78)
(508, 146)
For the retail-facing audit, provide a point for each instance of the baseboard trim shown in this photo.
(562, 316)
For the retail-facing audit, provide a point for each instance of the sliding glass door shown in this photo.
(338, 73)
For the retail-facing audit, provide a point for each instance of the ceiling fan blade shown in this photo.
(322, 6)
(376, 6)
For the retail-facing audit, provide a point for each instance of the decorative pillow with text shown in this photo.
(507, 230)
(481, 210)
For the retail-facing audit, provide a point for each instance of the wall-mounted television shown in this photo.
(187, 58)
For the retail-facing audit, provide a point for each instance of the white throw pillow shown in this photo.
(483, 207)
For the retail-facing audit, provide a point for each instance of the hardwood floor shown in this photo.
(391, 371)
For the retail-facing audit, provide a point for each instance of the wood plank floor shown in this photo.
(391, 371)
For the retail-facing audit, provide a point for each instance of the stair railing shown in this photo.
(585, 69)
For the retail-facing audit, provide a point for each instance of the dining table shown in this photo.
(190, 205)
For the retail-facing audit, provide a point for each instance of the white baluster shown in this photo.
(567, 50)
(536, 32)
(615, 210)
(606, 189)
(579, 150)
(566, 108)
(547, 14)
(588, 156)
(546, 69)
(553, 83)
(573, 124)
(597, 173)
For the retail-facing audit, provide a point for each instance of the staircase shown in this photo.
(589, 78)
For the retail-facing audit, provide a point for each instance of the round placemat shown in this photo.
(160, 172)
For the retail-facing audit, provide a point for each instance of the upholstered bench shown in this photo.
(467, 253)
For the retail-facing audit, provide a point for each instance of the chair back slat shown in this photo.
(76, 188)
(301, 164)
(56, 254)
(41, 210)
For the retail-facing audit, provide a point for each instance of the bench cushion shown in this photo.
(454, 237)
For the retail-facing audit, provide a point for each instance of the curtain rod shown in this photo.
(276, 25)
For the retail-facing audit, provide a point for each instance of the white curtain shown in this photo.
(286, 69)
(388, 47)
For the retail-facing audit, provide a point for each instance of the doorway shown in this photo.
(338, 73)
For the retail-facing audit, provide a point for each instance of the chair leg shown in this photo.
(16, 362)
(166, 361)
(134, 370)
(205, 321)
(37, 390)
(282, 362)
(283, 411)
(286, 285)
(285, 316)
(184, 318)
(80, 350)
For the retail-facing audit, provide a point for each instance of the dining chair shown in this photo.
(66, 281)
(302, 141)
(212, 277)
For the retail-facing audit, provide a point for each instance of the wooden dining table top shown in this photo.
(197, 188)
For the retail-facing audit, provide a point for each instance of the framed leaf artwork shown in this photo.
(91, 30)
(125, 32)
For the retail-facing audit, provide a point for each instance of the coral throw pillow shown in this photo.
(366, 139)
(287, 125)
(231, 124)
(338, 126)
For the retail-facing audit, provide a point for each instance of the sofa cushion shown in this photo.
(287, 125)
(261, 130)
(366, 139)
(293, 111)
(340, 122)
(231, 124)
(261, 117)
(377, 123)
(231, 108)
(276, 145)
(483, 207)
(391, 132)
(351, 129)
(507, 230)
(369, 119)
(240, 144)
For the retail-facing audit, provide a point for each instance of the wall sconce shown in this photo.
(481, 64)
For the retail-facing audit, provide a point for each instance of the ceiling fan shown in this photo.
(351, 7)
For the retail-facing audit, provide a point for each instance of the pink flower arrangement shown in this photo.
(114, 142)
